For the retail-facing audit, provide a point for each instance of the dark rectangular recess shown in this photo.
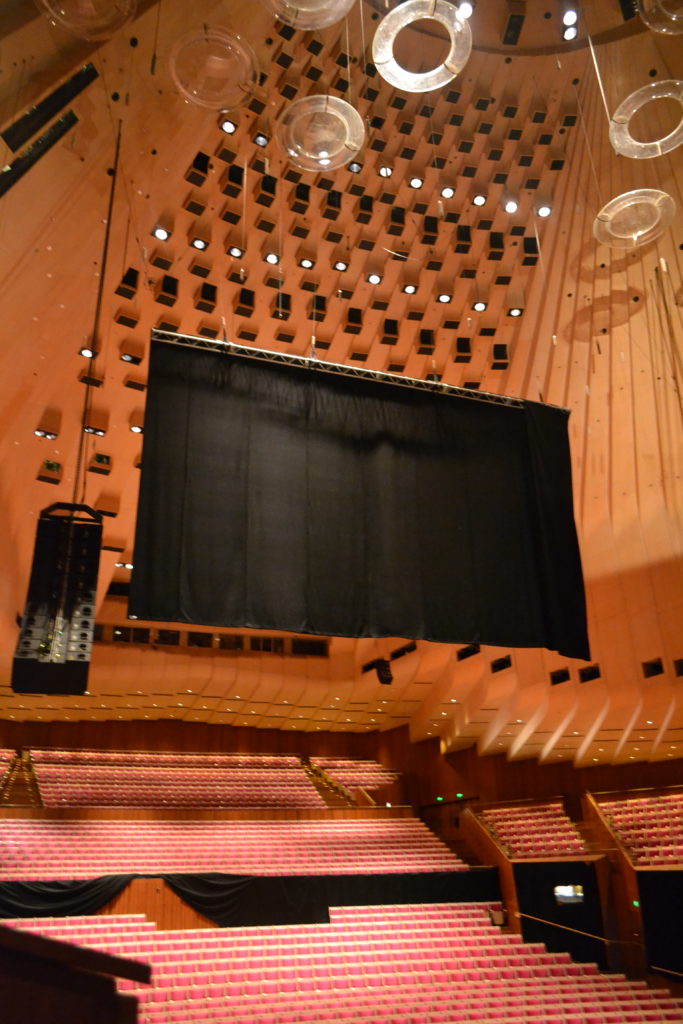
(24, 127)
(12, 173)
(560, 675)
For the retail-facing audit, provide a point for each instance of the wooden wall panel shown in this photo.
(151, 896)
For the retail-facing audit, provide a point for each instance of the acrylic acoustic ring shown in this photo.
(619, 130)
(214, 68)
(309, 14)
(403, 16)
(664, 16)
(98, 19)
(320, 133)
(634, 218)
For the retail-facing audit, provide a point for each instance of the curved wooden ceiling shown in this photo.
(601, 333)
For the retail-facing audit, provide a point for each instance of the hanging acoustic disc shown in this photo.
(320, 133)
(309, 14)
(406, 14)
(619, 130)
(96, 19)
(634, 218)
(214, 68)
(664, 16)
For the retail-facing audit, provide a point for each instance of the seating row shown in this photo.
(54, 849)
(531, 832)
(370, 984)
(651, 828)
(167, 758)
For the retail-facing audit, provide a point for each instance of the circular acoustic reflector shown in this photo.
(634, 218)
(662, 15)
(309, 14)
(619, 131)
(320, 133)
(214, 68)
(94, 19)
(406, 14)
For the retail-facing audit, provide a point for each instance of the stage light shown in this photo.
(160, 232)
(511, 206)
(544, 210)
(385, 171)
(355, 167)
(479, 305)
(479, 199)
(236, 251)
(374, 278)
(272, 258)
(260, 139)
(306, 262)
(570, 33)
(444, 297)
(416, 182)
(228, 126)
(341, 265)
(447, 192)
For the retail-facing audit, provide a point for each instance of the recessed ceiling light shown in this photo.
(479, 199)
(306, 262)
(198, 243)
(544, 210)
(340, 265)
(409, 289)
(236, 251)
(260, 139)
(374, 278)
(514, 311)
(416, 182)
(87, 352)
(163, 234)
(479, 306)
(228, 126)
(136, 429)
(385, 171)
(511, 205)
(465, 10)
(570, 17)
(447, 192)
(570, 33)
(272, 258)
(444, 297)
(355, 167)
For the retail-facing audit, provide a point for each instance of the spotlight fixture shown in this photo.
(570, 17)
(479, 199)
(260, 139)
(124, 565)
(228, 126)
(385, 171)
(447, 192)
(409, 289)
(444, 297)
(87, 351)
(235, 250)
(511, 205)
(416, 181)
(198, 243)
(374, 278)
(355, 167)
(97, 431)
(479, 305)
(272, 258)
(306, 262)
(515, 311)
(341, 265)
(49, 435)
(465, 10)
(135, 428)
(544, 210)
(570, 33)
(160, 232)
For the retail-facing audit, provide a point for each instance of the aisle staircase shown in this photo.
(20, 788)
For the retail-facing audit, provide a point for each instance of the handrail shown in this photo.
(666, 970)
(577, 931)
(620, 845)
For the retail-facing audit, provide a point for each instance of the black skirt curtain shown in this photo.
(59, 898)
(283, 498)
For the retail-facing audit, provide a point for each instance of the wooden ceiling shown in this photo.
(601, 334)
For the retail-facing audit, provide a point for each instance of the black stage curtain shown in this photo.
(58, 898)
(285, 498)
(248, 900)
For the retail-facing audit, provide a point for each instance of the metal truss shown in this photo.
(340, 369)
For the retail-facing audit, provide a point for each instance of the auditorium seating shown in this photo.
(650, 827)
(351, 773)
(389, 965)
(112, 778)
(540, 830)
(71, 849)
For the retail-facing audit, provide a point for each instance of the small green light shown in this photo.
(636, 903)
(460, 795)
(439, 799)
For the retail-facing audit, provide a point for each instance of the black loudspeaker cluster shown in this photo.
(55, 639)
